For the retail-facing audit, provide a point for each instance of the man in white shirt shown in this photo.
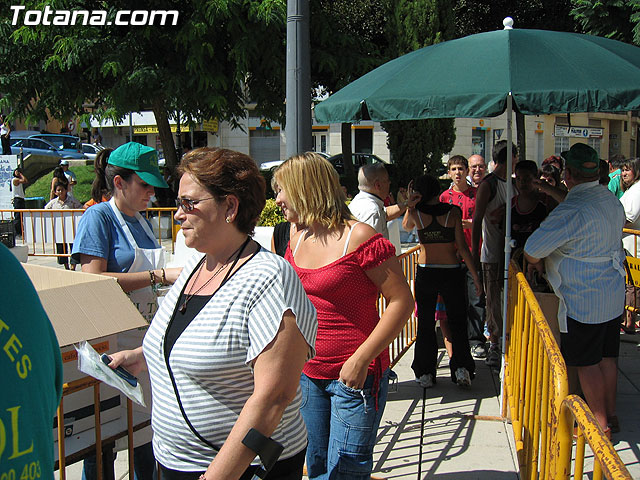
(71, 177)
(368, 205)
(581, 244)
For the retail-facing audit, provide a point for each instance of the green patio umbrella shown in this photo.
(545, 71)
(483, 75)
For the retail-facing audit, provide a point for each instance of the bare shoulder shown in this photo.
(360, 234)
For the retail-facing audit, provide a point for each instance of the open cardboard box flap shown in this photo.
(83, 306)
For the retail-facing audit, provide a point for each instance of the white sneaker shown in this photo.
(426, 380)
(463, 379)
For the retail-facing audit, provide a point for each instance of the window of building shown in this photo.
(561, 144)
(478, 142)
(363, 140)
(595, 144)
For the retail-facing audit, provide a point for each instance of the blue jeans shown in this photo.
(342, 424)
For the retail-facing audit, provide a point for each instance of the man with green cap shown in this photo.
(581, 244)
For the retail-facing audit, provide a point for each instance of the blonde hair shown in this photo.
(313, 190)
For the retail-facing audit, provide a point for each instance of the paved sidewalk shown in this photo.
(464, 436)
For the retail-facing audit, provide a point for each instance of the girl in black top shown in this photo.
(439, 270)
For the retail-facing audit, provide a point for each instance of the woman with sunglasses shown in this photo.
(113, 239)
(227, 346)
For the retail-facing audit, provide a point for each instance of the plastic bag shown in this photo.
(89, 362)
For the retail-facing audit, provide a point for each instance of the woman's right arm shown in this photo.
(128, 281)
(131, 360)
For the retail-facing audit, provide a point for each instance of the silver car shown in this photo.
(35, 146)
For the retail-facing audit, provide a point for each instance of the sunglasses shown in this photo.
(187, 204)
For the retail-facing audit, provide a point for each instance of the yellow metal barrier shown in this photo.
(535, 383)
(407, 336)
(634, 264)
(606, 459)
(76, 386)
(536, 392)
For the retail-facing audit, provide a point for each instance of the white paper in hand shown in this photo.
(89, 362)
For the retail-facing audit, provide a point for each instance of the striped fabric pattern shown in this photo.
(211, 360)
(588, 224)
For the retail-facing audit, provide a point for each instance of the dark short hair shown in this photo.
(500, 152)
(527, 166)
(457, 160)
(617, 160)
(59, 182)
(427, 186)
(226, 172)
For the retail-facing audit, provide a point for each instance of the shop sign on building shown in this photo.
(210, 125)
(145, 129)
(578, 132)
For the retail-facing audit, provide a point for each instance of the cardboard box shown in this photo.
(83, 306)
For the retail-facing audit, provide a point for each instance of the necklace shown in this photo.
(237, 254)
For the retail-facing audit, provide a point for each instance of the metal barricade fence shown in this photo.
(76, 386)
(402, 343)
(42, 229)
(631, 304)
(606, 459)
(536, 388)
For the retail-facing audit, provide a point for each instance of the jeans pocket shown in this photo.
(355, 391)
(355, 459)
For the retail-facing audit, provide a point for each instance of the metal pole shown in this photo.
(507, 239)
(298, 90)
(130, 127)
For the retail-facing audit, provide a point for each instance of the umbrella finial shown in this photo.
(508, 23)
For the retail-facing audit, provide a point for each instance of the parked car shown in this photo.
(90, 150)
(272, 165)
(69, 145)
(35, 146)
(359, 159)
(266, 166)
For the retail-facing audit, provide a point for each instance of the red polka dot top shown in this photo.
(345, 299)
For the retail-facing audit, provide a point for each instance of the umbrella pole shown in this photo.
(507, 241)
(424, 401)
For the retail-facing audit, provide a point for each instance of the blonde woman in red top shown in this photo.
(343, 265)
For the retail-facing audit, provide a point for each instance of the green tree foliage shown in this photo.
(476, 16)
(418, 145)
(615, 19)
(221, 55)
(347, 40)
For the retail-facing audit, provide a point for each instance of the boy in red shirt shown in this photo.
(463, 195)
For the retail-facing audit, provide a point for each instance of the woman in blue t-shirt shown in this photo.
(114, 239)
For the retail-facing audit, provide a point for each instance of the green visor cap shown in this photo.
(582, 157)
(141, 159)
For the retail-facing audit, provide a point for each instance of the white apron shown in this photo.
(145, 300)
(552, 266)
